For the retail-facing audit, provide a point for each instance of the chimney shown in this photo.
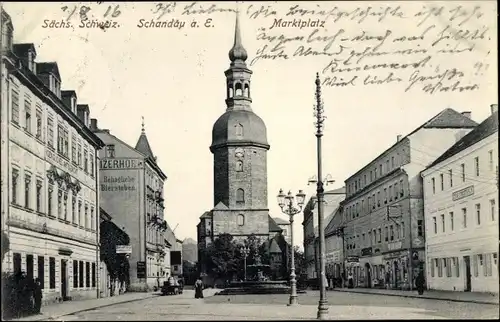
(398, 138)
(494, 108)
(93, 124)
(467, 114)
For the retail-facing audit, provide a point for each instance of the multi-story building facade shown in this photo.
(332, 199)
(334, 247)
(461, 213)
(50, 203)
(383, 210)
(131, 188)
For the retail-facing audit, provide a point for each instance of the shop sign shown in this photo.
(394, 246)
(141, 269)
(352, 259)
(333, 256)
(61, 162)
(123, 249)
(113, 163)
(366, 251)
(465, 192)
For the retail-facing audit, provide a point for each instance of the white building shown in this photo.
(332, 200)
(49, 179)
(461, 213)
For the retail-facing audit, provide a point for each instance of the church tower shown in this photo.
(239, 145)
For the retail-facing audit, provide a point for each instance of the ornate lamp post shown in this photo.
(286, 204)
(320, 119)
(245, 251)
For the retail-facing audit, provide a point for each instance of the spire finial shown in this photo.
(237, 52)
(143, 130)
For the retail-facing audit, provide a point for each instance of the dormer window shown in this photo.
(73, 104)
(31, 61)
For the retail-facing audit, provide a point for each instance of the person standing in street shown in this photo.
(420, 282)
(198, 289)
(37, 294)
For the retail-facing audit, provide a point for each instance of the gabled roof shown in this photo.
(482, 131)
(48, 67)
(220, 206)
(281, 221)
(21, 50)
(446, 119)
(273, 227)
(143, 145)
(68, 93)
(274, 247)
(206, 214)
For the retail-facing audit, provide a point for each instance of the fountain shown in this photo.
(258, 282)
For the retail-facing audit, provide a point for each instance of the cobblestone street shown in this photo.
(273, 307)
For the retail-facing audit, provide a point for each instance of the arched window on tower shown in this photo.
(230, 91)
(239, 166)
(238, 90)
(246, 92)
(240, 196)
(239, 129)
(241, 220)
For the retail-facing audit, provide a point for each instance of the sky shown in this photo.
(174, 77)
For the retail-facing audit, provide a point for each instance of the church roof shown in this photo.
(281, 221)
(274, 247)
(273, 227)
(239, 127)
(238, 52)
(482, 131)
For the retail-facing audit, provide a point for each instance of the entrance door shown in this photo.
(396, 274)
(467, 274)
(368, 273)
(64, 280)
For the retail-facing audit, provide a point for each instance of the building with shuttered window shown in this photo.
(461, 213)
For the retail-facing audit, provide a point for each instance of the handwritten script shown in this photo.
(384, 45)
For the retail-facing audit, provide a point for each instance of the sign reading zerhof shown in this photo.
(123, 249)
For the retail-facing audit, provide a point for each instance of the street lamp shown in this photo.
(245, 251)
(320, 119)
(287, 207)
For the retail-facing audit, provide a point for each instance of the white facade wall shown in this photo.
(69, 232)
(451, 236)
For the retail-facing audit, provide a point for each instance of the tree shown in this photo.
(222, 256)
(299, 261)
(190, 272)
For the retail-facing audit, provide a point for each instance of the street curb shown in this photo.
(54, 317)
(419, 297)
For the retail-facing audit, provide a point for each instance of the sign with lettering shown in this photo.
(465, 192)
(60, 161)
(123, 249)
(114, 163)
(352, 259)
(141, 269)
(366, 251)
(394, 246)
(118, 183)
(333, 256)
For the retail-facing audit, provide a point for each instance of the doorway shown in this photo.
(396, 274)
(64, 280)
(468, 285)
(368, 272)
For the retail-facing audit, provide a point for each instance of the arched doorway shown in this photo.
(368, 274)
(396, 274)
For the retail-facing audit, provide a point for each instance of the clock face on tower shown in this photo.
(239, 153)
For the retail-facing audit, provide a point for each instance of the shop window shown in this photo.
(87, 275)
(75, 274)
(52, 273)
(16, 262)
(41, 271)
(80, 274)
